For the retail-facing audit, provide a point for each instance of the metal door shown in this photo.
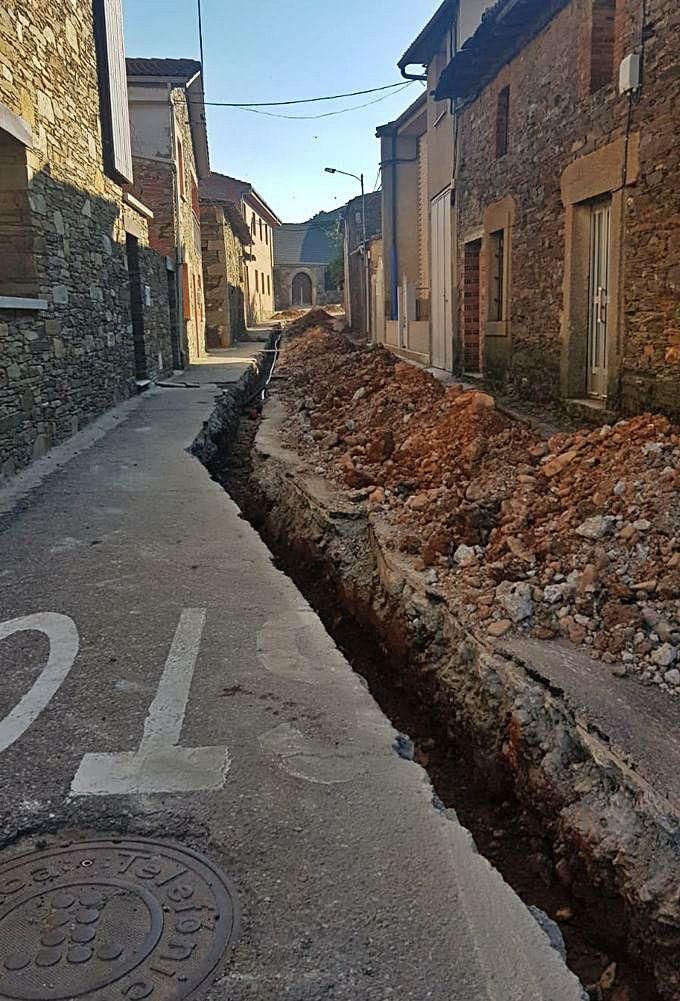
(598, 299)
(441, 304)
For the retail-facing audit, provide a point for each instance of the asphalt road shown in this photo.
(160, 677)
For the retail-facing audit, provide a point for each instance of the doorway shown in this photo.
(441, 304)
(302, 290)
(598, 298)
(136, 306)
(471, 308)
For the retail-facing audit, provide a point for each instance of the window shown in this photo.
(502, 122)
(257, 281)
(253, 225)
(269, 285)
(18, 276)
(497, 276)
(602, 34)
(181, 176)
(112, 80)
(261, 237)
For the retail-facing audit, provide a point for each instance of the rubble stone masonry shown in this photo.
(558, 115)
(63, 364)
(224, 278)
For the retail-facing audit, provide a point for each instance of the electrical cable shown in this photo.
(327, 114)
(303, 100)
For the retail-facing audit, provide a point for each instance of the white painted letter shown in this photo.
(64, 643)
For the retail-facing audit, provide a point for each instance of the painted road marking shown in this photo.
(160, 765)
(64, 643)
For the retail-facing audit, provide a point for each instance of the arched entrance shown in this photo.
(302, 290)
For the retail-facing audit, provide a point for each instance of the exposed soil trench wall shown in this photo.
(604, 836)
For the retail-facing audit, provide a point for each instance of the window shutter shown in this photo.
(113, 98)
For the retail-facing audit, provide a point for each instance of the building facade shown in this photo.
(170, 158)
(262, 223)
(357, 254)
(83, 300)
(418, 153)
(226, 245)
(304, 253)
(568, 215)
(406, 228)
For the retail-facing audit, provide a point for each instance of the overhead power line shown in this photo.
(304, 100)
(327, 114)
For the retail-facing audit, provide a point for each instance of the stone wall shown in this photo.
(64, 364)
(554, 122)
(356, 277)
(283, 285)
(224, 278)
(189, 233)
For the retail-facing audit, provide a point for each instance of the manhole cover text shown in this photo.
(133, 919)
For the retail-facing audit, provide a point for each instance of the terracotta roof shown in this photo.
(505, 30)
(176, 69)
(222, 188)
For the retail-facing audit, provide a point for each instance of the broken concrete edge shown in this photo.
(213, 442)
(615, 828)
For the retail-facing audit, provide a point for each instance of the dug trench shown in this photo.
(547, 800)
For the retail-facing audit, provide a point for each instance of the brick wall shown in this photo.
(554, 121)
(63, 365)
(154, 186)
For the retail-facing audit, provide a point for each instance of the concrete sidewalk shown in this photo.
(191, 694)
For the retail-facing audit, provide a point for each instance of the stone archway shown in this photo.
(301, 291)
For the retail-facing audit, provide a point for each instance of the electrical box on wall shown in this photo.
(629, 74)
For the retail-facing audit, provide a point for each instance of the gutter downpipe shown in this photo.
(394, 254)
(412, 76)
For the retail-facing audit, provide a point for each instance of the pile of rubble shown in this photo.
(577, 536)
(311, 319)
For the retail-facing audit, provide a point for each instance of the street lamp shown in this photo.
(360, 179)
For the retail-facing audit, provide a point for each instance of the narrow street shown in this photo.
(340, 500)
(165, 682)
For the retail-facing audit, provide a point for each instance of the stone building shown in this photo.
(567, 250)
(357, 258)
(83, 301)
(262, 223)
(170, 158)
(303, 254)
(226, 242)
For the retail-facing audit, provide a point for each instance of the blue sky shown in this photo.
(272, 50)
